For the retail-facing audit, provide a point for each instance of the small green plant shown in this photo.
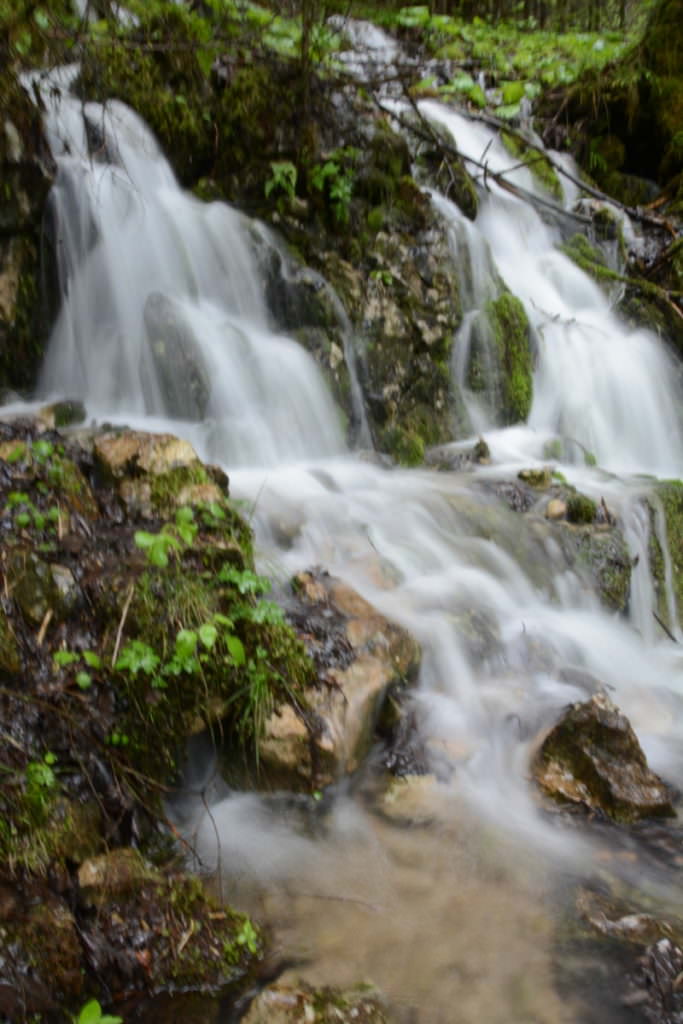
(282, 180)
(91, 1013)
(172, 537)
(41, 783)
(82, 678)
(24, 513)
(247, 936)
(335, 180)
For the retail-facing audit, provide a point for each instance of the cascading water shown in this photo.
(163, 316)
(162, 311)
(597, 381)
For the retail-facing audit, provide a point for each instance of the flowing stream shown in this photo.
(462, 912)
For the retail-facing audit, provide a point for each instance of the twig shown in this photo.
(43, 626)
(664, 627)
(124, 613)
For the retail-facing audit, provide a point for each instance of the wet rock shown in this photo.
(155, 473)
(41, 587)
(35, 986)
(302, 1004)
(600, 556)
(618, 923)
(556, 509)
(593, 757)
(10, 661)
(452, 457)
(540, 478)
(177, 359)
(656, 984)
(359, 655)
(67, 413)
(414, 800)
(130, 451)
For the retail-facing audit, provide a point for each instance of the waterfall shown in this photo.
(162, 310)
(163, 321)
(597, 381)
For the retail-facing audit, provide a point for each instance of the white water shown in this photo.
(509, 634)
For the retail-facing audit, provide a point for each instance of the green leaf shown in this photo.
(137, 656)
(84, 680)
(17, 498)
(507, 113)
(42, 450)
(236, 649)
(185, 644)
(91, 1013)
(208, 635)
(143, 539)
(92, 659)
(41, 19)
(62, 658)
(512, 92)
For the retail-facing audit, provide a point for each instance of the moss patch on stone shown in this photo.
(512, 337)
(538, 164)
(668, 493)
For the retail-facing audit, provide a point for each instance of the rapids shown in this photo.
(463, 910)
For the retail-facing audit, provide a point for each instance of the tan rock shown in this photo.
(556, 509)
(121, 453)
(363, 655)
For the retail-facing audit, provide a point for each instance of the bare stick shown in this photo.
(124, 613)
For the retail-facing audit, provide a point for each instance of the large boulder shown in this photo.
(359, 655)
(592, 757)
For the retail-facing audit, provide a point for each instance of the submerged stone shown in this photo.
(592, 757)
(303, 1004)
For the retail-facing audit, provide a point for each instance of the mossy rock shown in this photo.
(593, 757)
(581, 509)
(589, 259)
(668, 495)
(600, 556)
(512, 338)
(538, 164)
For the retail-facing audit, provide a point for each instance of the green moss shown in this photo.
(581, 509)
(589, 259)
(406, 446)
(539, 165)
(511, 334)
(670, 494)
(605, 558)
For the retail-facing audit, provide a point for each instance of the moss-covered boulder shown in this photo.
(592, 757)
(500, 362)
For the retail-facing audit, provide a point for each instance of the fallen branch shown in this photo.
(634, 212)
(429, 134)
